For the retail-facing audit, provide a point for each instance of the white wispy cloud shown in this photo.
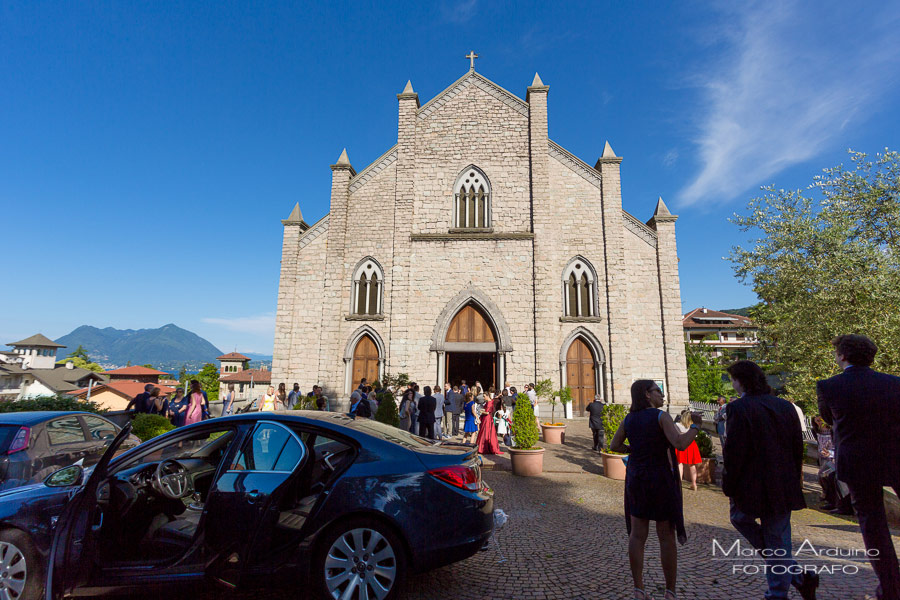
(790, 80)
(263, 324)
(460, 11)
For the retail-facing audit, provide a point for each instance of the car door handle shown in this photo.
(253, 496)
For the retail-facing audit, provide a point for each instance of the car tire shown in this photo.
(344, 547)
(15, 548)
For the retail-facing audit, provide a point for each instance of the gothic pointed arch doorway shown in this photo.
(582, 364)
(471, 348)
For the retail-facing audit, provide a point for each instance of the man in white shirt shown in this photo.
(532, 396)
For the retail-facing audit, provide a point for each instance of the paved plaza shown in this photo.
(566, 539)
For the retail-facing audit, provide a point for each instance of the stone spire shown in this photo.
(343, 160)
(661, 215)
(537, 80)
(296, 218)
(608, 151)
(408, 89)
(661, 209)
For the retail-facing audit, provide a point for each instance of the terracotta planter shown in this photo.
(553, 434)
(527, 463)
(613, 465)
(706, 471)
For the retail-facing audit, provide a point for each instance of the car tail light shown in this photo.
(465, 478)
(20, 441)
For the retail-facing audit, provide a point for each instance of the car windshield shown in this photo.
(390, 433)
(7, 433)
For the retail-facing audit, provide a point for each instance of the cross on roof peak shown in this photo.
(471, 56)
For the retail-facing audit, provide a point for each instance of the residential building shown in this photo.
(725, 333)
(30, 370)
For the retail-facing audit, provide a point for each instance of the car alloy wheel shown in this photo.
(361, 564)
(13, 571)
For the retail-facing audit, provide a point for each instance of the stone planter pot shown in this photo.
(613, 465)
(553, 434)
(706, 471)
(527, 463)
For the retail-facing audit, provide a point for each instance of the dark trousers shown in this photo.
(599, 439)
(455, 417)
(426, 430)
(868, 500)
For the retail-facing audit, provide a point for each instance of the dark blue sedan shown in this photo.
(303, 499)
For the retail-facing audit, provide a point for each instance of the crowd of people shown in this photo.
(485, 414)
(859, 452)
(181, 409)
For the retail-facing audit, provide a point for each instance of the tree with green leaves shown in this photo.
(826, 261)
(705, 373)
(79, 352)
(81, 363)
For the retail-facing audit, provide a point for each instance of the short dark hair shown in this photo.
(193, 381)
(427, 390)
(639, 399)
(858, 350)
(751, 377)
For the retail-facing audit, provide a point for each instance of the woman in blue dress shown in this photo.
(652, 483)
(471, 427)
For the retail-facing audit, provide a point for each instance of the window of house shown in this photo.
(579, 289)
(472, 200)
(368, 285)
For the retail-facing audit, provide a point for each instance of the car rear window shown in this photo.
(390, 433)
(7, 433)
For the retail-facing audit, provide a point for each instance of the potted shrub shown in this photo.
(706, 470)
(387, 410)
(613, 462)
(527, 458)
(553, 432)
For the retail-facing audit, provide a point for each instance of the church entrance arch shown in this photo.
(471, 349)
(364, 356)
(582, 364)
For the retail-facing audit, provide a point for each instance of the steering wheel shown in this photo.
(172, 479)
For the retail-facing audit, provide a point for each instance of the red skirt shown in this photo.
(690, 456)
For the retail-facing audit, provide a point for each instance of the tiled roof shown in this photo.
(37, 339)
(126, 389)
(59, 379)
(233, 356)
(698, 319)
(133, 371)
(259, 376)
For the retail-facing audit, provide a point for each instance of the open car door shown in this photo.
(243, 502)
(74, 542)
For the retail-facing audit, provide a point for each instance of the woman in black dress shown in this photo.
(652, 484)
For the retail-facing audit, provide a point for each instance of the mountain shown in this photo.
(166, 348)
(744, 312)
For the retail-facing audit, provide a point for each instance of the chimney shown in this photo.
(70, 364)
(704, 311)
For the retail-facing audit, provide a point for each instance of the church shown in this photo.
(491, 253)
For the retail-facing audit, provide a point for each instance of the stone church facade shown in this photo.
(478, 248)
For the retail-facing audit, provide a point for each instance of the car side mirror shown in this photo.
(65, 477)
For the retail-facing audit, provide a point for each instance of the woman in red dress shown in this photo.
(690, 456)
(486, 442)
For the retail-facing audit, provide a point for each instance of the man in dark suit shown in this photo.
(764, 475)
(427, 406)
(595, 410)
(863, 408)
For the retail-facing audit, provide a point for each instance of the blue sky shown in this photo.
(149, 150)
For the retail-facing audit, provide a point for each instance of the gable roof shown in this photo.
(126, 389)
(260, 376)
(705, 318)
(59, 379)
(482, 83)
(39, 340)
(134, 371)
(233, 356)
